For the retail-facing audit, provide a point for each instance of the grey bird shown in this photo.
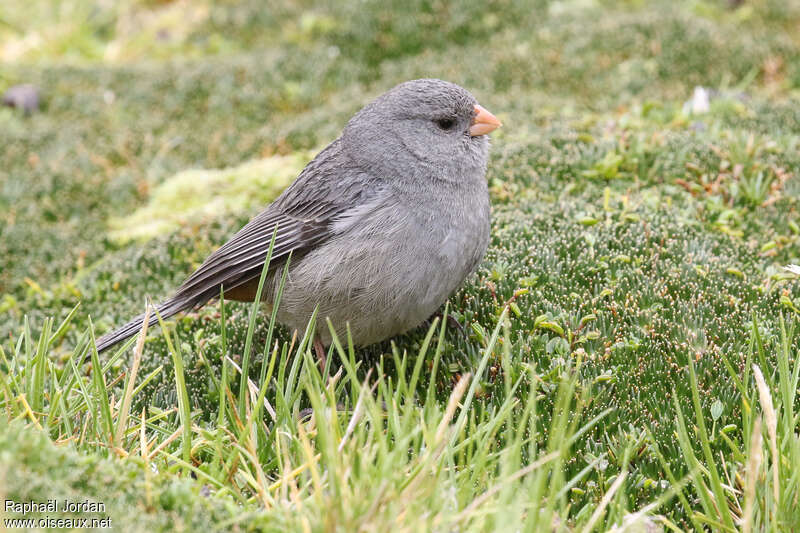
(382, 225)
(25, 97)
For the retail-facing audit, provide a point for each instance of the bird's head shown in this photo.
(428, 125)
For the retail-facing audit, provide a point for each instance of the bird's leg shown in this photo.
(319, 349)
(451, 320)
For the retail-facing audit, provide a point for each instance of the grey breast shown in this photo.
(392, 263)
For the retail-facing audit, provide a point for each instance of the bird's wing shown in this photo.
(304, 217)
(238, 261)
(329, 189)
(242, 258)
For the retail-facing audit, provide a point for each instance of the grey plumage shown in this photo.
(25, 97)
(382, 225)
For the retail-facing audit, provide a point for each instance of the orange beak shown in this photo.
(484, 122)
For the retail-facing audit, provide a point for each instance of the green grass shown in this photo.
(607, 365)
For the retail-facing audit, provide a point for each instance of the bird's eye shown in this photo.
(445, 123)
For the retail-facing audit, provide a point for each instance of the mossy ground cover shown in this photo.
(635, 266)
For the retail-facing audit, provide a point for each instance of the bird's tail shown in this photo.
(166, 309)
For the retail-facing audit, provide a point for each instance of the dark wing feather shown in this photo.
(303, 215)
(242, 258)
